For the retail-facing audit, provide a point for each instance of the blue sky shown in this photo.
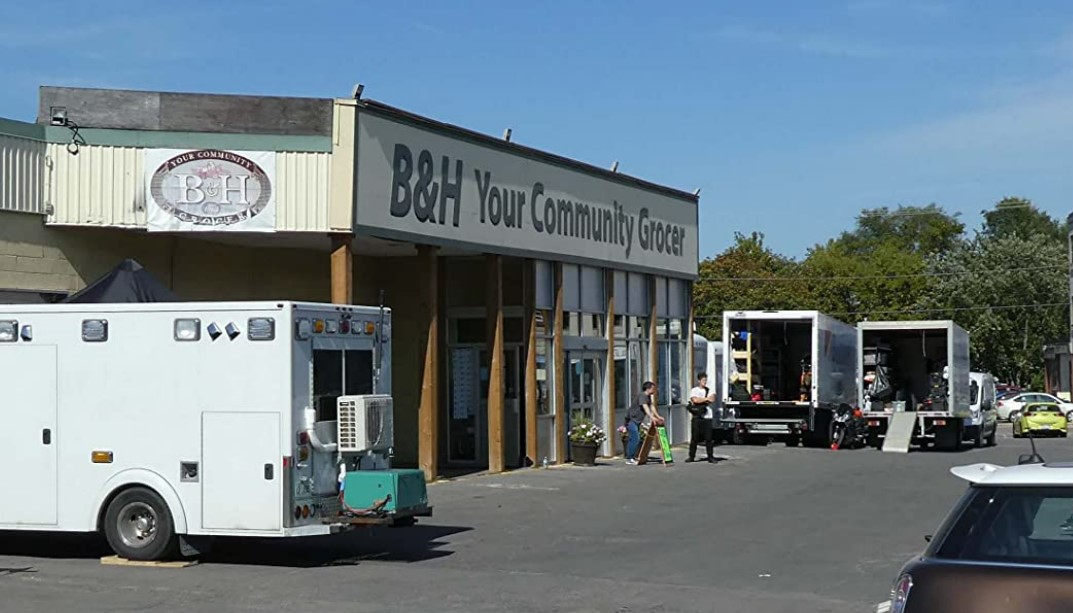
(790, 116)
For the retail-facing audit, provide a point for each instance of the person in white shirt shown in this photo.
(700, 405)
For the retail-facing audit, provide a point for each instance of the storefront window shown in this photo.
(545, 377)
(589, 325)
(672, 360)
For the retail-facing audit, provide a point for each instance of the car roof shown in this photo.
(1050, 473)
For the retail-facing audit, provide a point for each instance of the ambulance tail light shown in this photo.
(344, 326)
(370, 327)
(187, 329)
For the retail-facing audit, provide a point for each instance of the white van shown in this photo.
(983, 421)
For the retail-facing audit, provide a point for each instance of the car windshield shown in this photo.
(1024, 525)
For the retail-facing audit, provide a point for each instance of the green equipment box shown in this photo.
(364, 489)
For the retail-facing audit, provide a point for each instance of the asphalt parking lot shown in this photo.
(768, 529)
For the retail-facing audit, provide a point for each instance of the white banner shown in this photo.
(209, 190)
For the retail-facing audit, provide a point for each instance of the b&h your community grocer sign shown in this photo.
(427, 185)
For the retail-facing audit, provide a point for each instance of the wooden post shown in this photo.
(428, 412)
(496, 397)
(653, 330)
(531, 437)
(690, 362)
(609, 324)
(560, 382)
(342, 269)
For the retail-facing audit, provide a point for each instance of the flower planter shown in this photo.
(583, 454)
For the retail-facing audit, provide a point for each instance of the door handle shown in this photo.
(269, 472)
(46, 436)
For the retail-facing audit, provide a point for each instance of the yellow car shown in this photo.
(1041, 419)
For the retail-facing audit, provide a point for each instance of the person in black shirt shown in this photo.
(639, 410)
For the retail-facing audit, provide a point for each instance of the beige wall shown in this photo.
(65, 259)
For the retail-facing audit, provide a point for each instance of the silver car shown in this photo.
(1009, 408)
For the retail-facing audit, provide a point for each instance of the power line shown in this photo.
(938, 211)
(1031, 306)
(888, 277)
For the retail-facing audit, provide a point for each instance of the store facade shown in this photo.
(530, 292)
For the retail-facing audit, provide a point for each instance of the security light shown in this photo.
(58, 115)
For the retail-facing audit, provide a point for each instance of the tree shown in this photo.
(1019, 217)
(747, 276)
(923, 230)
(876, 271)
(1009, 292)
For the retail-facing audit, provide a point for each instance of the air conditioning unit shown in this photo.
(364, 423)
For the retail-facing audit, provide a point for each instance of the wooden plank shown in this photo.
(118, 561)
(342, 269)
(428, 411)
(532, 441)
(653, 343)
(560, 383)
(496, 391)
(609, 323)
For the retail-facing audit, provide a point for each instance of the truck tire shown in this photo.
(948, 438)
(138, 525)
(793, 440)
(994, 435)
(977, 436)
(737, 437)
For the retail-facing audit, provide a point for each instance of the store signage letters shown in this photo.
(432, 193)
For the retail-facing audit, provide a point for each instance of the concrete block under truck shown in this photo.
(919, 367)
(786, 372)
(165, 424)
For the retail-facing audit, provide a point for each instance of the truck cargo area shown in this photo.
(902, 366)
(769, 359)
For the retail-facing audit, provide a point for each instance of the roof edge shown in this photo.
(383, 109)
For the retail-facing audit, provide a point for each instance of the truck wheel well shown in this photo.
(112, 496)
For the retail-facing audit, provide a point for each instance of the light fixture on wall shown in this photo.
(358, 89)
(506, 134)
(58, 117)
(614, 167)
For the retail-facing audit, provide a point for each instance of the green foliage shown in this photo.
(1019, 217)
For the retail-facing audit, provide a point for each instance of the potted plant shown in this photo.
(585, 438)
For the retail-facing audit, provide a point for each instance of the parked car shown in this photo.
(1010, 406)
(1041, 420)
(1006, 546)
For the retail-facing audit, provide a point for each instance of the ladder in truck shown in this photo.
(900, 432)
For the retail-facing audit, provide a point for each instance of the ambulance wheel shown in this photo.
(138, 526)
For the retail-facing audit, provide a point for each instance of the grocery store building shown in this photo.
(529, 291)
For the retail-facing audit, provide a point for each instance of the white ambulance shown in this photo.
(160, 423)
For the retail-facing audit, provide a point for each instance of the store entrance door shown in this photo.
(584, 378)
(467, 432)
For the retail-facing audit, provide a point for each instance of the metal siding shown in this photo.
(101, 186)
(105, 186)
(21, 175)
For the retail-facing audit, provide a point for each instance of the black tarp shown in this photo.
(127, 282)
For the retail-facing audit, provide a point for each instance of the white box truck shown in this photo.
(161, 423)
(785, 372)
(708, 359)
(922, 368)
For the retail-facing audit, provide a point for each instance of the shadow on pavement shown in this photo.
(411, 544)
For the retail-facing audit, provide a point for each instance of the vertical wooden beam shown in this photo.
(496, 391)
(560, 382)
(531, 437)
(690, 362)
(428, 412)
(342, 269)
(653, 343)
(609, 323)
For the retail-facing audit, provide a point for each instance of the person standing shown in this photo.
(640, 410)
(700, 405)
